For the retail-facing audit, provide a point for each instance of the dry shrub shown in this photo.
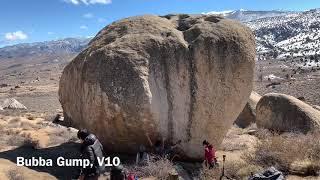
(31, 143)
(263, 134)
(206, 173)
(245, 171)
(50, 117)
(25, 125)
(30, 116)
(15, 174)
(61, 135)
(232, 169)
(16, 141)
(15, 120)
(283, 150)
(159, 169)
(36, 139)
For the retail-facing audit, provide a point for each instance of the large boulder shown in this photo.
(248, 114)
(178, 77)
(286, 113)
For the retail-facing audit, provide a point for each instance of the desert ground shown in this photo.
(31, 132)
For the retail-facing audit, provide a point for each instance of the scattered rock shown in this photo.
(316, 107)
(3, 85)
(285, 113)
(181, 77)
(303, 168)
(273, 84)
(17, 87)
(248, 114)
(301, 98)
(58, 119)
(12, 103)
(252, 132)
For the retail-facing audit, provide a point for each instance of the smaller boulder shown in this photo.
(301, 98)
(3, 85)
(12, 103)
(248, 114)
(286, 113)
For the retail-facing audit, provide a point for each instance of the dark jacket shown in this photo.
(92, 149)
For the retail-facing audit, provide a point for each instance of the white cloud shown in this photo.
(101, 20)
(18, 35)
(83, 27)
(50, 33)
(88, 15)
(218, 12)
(88, 2)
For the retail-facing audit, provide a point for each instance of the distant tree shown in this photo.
(308, 39)
(275, 54)
(312, 57)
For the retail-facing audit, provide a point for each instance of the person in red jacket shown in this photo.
(209, 154)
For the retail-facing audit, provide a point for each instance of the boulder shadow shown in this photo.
(69, 150)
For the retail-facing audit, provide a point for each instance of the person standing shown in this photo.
(209, 154)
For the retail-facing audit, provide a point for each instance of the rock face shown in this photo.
(12, 103)
(248, 114)
(179, 77)
(286, 113)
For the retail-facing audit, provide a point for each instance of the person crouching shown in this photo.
(91, 149)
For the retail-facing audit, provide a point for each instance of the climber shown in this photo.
(91, 149)
(209, 154)
(160, 150)
(142, 157)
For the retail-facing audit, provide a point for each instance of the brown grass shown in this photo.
(30, 116)
(285, 150)
(15, 120)
(238, 139)
(159, 169)
(15, 174)
(16, 141)
(233, 169)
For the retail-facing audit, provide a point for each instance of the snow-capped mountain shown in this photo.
(295, 34)
(68, 45)
(279, 34)
(246, 15)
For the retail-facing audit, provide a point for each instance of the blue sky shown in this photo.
(39, 20)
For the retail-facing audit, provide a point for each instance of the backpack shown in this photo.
(117, 173)
(131, 177)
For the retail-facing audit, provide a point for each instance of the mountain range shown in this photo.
(63, 46)
(279, 34)
(246, 15)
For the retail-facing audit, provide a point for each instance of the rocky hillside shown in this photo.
(282, 34)
(246, 15)
(295, 34)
